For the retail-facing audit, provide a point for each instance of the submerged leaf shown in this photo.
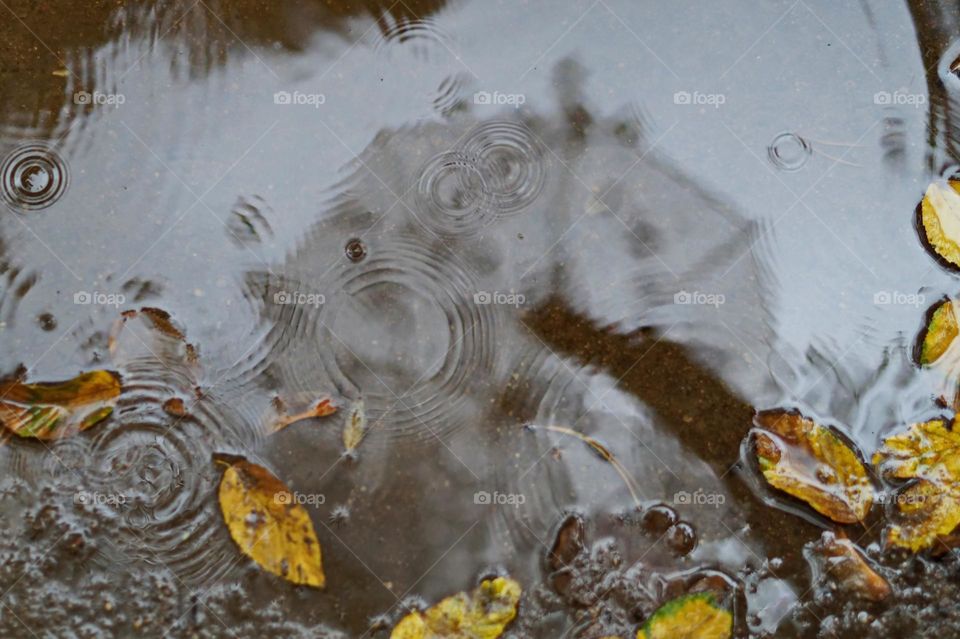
(268, 526)
(810, 462)
(836, 557)
(355, 429)
(929, 507)
(162, 339)
(482, 614)
(939, 333)
(695, 616)
(52, 410)
(940, 219)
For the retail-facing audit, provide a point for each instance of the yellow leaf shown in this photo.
(483, 614)
(695, 616)
(268, 525)
(929, 507)
(939, 332)
(940, 219)
(810, 462)
(52, 410)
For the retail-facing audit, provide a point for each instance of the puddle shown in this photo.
(559, 253)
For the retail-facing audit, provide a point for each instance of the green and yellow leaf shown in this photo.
(928, 508)
(268, 526)
(810, 462)
(53, 410)
(939, 333)
(695, 616)
(483, 614)
(940, 219)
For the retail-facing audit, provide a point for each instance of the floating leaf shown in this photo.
(52, 410)
(355, 429)
(811, 463)
(939, 333)
(929, 507)
(695, 616)
(940, 220)
(268, 525)
(483, 614)
(320, 409)
(836, 557)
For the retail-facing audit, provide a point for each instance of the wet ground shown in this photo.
(640, 221)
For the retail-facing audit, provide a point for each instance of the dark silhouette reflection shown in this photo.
(40, 40)
(693, 404)
(937, 26)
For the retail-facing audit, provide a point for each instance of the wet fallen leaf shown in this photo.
(928, 508)
(175, 406)
(355, 429)
(53, 410)
(810, 462)
(939, 333)
(694, 616)
(268, 526)
(321, 409)
(940, 219)
(835, 557)
(482, 614)
(155, 319)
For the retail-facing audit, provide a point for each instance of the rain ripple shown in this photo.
(497, 170)
(400, 329)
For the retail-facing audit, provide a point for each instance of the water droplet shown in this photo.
(355, 250)
(47, 321)
(789, 151)
(658, 519)
(682, 538)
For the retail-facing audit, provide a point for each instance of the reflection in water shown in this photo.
(490, 230)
